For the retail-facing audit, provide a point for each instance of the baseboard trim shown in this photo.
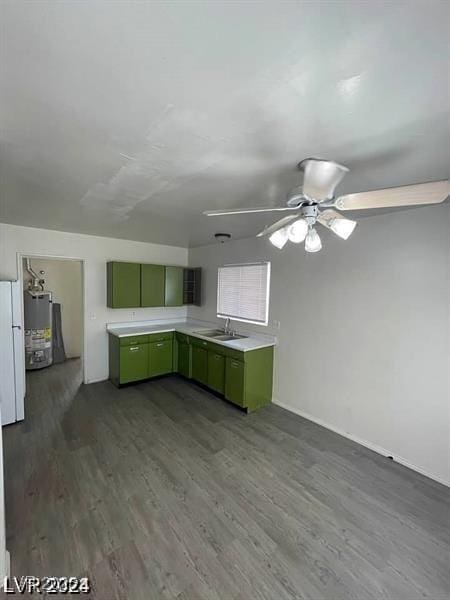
(87, 382)
(354, 438)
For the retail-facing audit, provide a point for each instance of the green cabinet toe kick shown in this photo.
(243, 378)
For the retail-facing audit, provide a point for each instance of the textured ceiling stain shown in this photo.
(130, 119)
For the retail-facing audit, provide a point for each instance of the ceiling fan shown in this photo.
(314, 202)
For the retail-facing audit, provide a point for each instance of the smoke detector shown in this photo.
(222, 237)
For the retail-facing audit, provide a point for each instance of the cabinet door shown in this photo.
(160, 358)
(216, 372)
(124, 285)
(133, 363)
(200, 364)
(235, 381)
(184, 362)
(152, 285)
(174, 286)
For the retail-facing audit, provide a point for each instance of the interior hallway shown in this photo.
(162, 490)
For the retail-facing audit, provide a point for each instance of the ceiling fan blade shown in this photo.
(240, 211)
(278, 225)
(321, 178)
(406, 195)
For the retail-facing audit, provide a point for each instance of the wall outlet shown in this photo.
(133, 314)
(276, 324)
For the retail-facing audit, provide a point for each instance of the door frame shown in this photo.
(82, 261)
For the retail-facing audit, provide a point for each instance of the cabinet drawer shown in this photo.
(133, 340)
(160, 337)
(160, 358)
(235, 381)
(133, 363)
(198, 342)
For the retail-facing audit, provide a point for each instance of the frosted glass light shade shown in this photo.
(279, 238)
(297, 231)
(343, 227)
(313, 242)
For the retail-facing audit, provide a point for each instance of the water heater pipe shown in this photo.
(37, 281)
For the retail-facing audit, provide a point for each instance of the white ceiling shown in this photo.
(128, 119)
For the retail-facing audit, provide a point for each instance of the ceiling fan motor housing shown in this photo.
(310, 213)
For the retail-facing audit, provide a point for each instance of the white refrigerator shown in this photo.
(12, 358)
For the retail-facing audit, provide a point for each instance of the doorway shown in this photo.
(52, 315)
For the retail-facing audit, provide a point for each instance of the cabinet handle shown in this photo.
(204, 343)
(234, 364)
(134, 348)
(159, 345)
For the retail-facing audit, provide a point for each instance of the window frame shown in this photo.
(264, 323)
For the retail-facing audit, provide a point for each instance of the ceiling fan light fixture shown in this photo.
(321, 178)
(313, 242)
(343, 227)
(297, 231)
(279, 238)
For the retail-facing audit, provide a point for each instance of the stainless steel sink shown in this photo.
(210, 332)
(219, 334)
(227, 338)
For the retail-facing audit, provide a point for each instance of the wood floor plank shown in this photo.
(165, 491)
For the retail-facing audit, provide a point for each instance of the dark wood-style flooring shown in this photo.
(163, 491)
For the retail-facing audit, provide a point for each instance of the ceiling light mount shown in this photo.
(222, 237)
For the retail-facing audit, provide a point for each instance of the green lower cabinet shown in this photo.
(133, 363)
(184, 359)
(216, 372)
(200, 364)
(159, 358)
(244, 378)
(235, 381)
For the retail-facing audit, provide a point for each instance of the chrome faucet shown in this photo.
(227, 329)
(227, 325)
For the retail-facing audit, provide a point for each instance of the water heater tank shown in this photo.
(38, 329)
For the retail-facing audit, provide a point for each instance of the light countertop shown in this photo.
(252, 342)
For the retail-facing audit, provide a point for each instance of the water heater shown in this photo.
(38, 313)
(38, 329)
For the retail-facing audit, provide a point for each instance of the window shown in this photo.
(243, 292)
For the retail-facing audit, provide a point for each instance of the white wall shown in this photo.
(96, 251)
(364, 337)
(64, 279)
(4, 556)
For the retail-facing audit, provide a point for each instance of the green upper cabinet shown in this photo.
(174, 286)
(130, 285)
(124, 285)
(152, 285)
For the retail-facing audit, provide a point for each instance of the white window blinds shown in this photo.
(243, 292)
